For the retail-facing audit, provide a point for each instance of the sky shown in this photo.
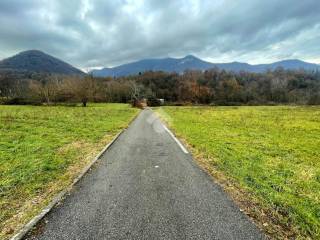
(97, 33)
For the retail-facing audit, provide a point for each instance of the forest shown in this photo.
(214, 87)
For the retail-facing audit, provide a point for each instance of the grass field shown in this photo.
(43, 148)
(272, 153)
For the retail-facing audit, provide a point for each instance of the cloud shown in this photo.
(90, 33)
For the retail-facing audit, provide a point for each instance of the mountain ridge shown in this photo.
(191, 62)
(38, 61)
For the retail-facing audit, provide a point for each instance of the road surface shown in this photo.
(146, 187)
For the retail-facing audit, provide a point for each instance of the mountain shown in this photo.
(166, 64)
(190, 62)
(287, 64)
(37, 61)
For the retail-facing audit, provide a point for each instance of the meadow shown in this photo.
(268, 159)
(43, 148)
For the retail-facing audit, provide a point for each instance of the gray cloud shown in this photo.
(90, 33)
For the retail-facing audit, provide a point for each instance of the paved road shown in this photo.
(146, 187)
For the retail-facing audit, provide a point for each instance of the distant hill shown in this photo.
(37, 61)
(190, 62)
(287, 64)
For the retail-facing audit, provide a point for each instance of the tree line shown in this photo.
(214, 86)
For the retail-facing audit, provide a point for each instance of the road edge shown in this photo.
(61, 195)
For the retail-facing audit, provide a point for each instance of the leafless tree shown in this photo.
(83, 89)
(46, 89)
(135, 92)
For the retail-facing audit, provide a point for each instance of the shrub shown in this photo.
(153, 102)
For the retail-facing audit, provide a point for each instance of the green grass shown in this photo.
(271, 152)
(43, 148)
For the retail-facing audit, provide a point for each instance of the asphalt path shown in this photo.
(146, 186)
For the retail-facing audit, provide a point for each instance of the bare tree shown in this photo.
(135, 92)
(83, 89)
(47, 89)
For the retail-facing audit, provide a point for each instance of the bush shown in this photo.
(138, 103)
(226, 103)
(153, 102)
(314, 100)
(22, 101)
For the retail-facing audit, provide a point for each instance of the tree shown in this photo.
(229, 90)
(135, 92)
(47, 89)
(117, 91)
(83, 89)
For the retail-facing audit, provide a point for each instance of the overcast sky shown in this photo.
(93, 33)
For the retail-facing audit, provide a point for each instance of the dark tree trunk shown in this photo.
(84, 102)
